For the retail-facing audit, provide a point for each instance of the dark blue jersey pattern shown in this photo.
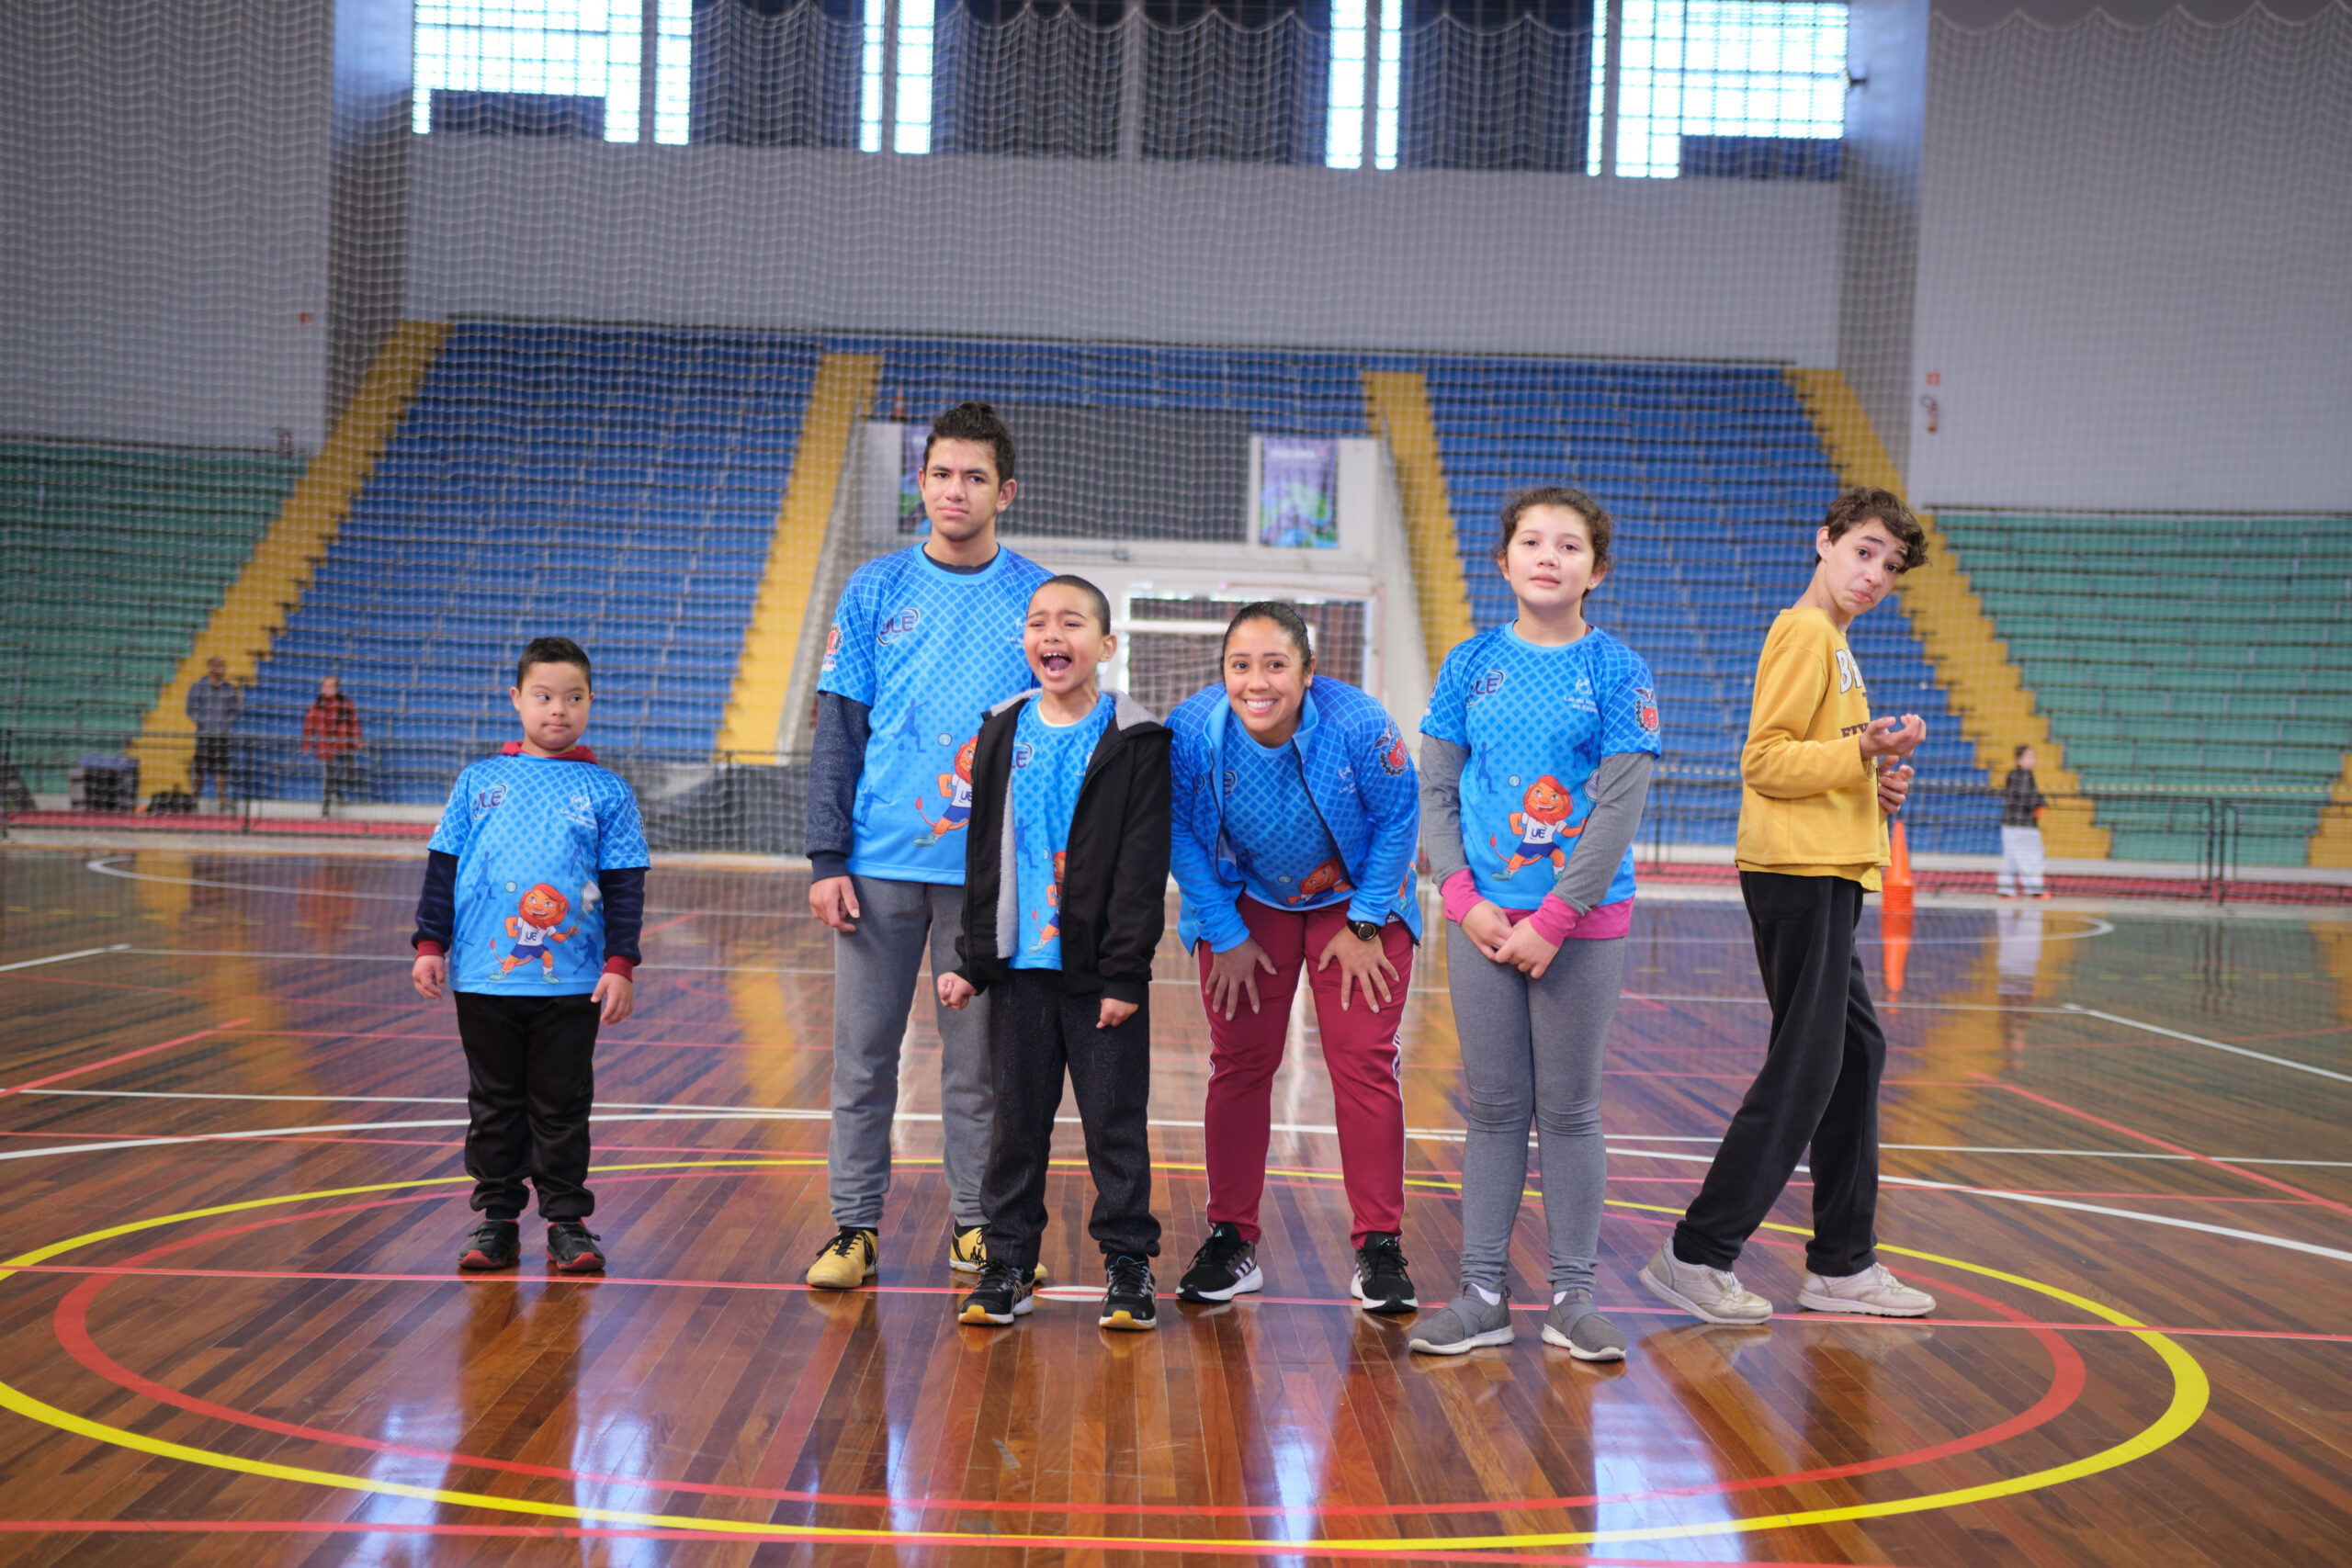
(928, 652)
(1048, 765)
(531, 836)
(1279, 840)
(1536, 722)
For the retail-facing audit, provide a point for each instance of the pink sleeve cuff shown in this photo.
(1554, 919)
(427, 948)
(624, 967)
(1461, 894)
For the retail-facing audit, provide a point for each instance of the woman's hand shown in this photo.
(1234, 972)
(956, 993)
(1488, 927)
(1526, 950)
(1111, 1014)
(1362, 965)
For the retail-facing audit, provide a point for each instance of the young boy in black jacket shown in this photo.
(1065, 896)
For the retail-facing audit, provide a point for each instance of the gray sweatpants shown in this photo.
(1530, 1054)
(874, 982)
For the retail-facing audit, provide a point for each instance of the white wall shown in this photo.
(2134, 251)
(1188, 252)
(163, 179)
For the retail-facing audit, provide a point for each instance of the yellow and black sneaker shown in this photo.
(967, 1253)
(967, 1249)
(847, 1262)
(1000, 1297)
(1129, 1302)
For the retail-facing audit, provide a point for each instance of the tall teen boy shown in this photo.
(1064, 905)
(534, 894)
(924, 642)
(1819, 777)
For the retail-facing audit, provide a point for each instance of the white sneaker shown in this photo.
(1873, 1291)
(1714, 1294)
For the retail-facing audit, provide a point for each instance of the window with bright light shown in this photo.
(563, 48)
(1729, 68)
(1352, 36)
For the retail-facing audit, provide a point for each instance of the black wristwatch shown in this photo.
(1366, 931)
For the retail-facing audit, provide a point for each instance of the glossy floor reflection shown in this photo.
(2119, 1149)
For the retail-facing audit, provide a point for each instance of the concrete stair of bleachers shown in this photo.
(116, 555)
(2197, 657)
(1716, 479)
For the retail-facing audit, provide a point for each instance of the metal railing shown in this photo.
(2216, 844)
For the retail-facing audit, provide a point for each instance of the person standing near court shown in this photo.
(1819, 777)
(331, 733)
(214, 705)
(1295, 829)
(2022, 806)
(924, 642)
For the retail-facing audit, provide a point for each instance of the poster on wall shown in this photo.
(910, 518)
(1298, 485)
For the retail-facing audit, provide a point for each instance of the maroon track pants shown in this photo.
(1359, 1048)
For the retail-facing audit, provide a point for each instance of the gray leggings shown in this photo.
(1531, 1053)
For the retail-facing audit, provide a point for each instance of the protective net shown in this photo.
(364, 344)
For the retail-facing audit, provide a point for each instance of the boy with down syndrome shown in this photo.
(1818, 779)
(534, 894)
(1065, 888)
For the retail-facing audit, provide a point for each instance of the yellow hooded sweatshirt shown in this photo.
(1808, 800)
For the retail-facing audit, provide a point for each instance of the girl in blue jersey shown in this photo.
(1535, 762)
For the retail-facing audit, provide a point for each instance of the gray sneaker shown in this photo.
(1714, 1294)
(1583, 1333)
(1462, 1324)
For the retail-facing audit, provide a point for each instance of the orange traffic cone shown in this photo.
(1894, 914)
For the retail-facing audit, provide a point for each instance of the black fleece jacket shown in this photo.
(1115, 872)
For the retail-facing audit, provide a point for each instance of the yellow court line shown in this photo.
(2192, 1394)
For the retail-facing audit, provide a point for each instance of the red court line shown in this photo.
(897, 1538)
(665, 925)
(124, 1056)
(2168, 1147)
(2069, 1377)
(790, 1287)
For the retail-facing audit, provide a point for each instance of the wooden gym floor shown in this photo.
(2119, 1150)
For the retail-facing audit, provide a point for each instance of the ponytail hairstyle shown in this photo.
(1286, 619)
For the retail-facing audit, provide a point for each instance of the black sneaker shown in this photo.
(495, 1244)
(1128, 1302)
(1381, 1282)
(1000, 1297)
(572, 1248)
(1224, 1267)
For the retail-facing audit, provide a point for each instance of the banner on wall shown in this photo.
(1298, 487)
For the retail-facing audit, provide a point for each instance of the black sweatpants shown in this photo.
(531, 1076)
(1035, 1030)
(1818, 1085)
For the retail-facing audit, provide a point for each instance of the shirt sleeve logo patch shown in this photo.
(833, 646)
(1392, 752)
(903, 623)
(1645, 709)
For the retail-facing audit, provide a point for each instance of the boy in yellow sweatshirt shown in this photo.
(1819, 777)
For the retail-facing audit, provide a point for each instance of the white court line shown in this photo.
(2033, 1199)
(2215, 1044)
(1438, 1135)
(101, 866)
(61, 957)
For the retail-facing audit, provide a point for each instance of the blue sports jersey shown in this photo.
(928, 652)
(1048, 765)
(1536, 721)
(530, 834)
(1279, 840)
